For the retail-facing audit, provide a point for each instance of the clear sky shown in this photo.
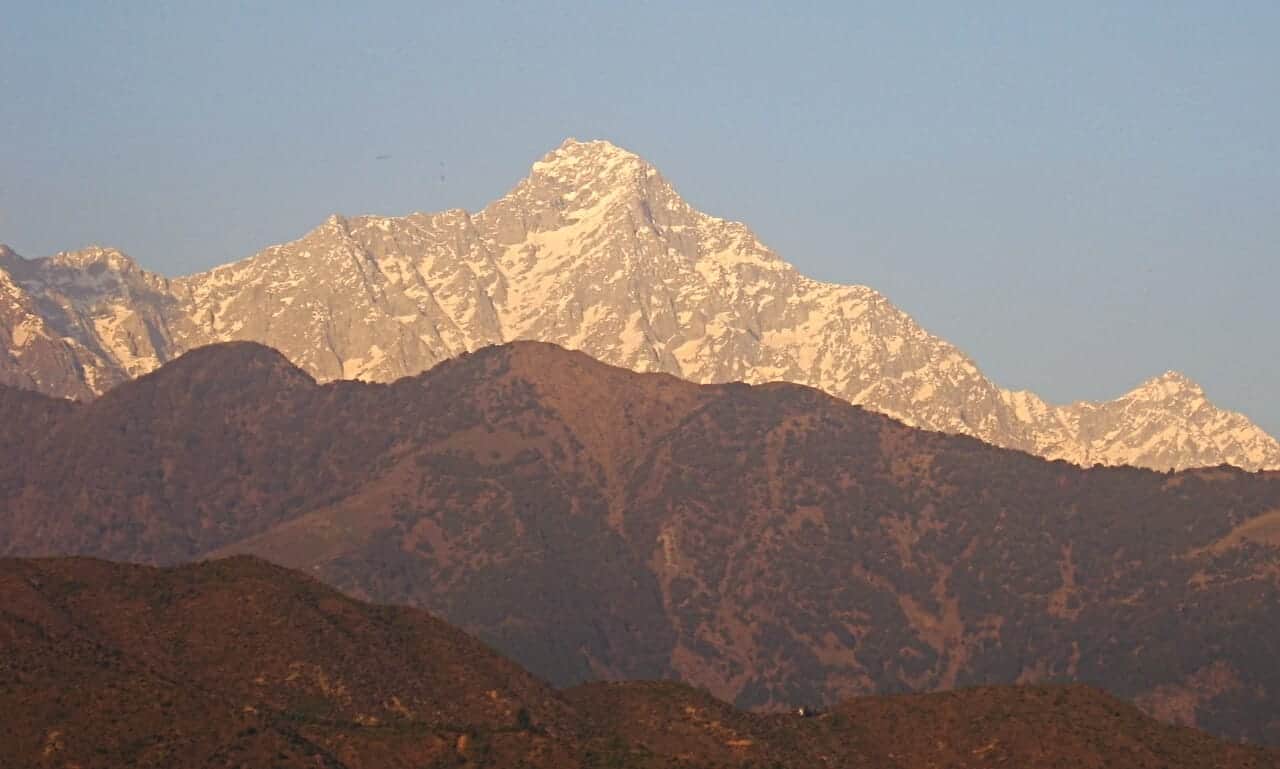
(1080, 195)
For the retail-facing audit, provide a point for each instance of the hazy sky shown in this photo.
(1079, 195)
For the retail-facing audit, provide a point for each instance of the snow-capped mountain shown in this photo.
(595, 251)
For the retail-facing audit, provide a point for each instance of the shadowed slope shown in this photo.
(1073, 727)
(771, 544)
(237, 663)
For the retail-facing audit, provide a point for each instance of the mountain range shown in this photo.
(238, 663)
(772, 544)
(594, 251)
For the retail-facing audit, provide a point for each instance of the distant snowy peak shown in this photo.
(1167, 386)
(1165, 422)
(594, 250)
(576, 165)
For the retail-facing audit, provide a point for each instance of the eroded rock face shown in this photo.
(594, 251)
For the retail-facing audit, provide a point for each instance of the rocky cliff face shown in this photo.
(595, 251)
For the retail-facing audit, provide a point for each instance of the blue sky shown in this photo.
(1079, 195)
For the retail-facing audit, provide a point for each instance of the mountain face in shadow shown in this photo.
(239, 663)
(771, 544)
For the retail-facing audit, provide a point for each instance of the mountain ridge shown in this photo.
(238, 663)
(593, 250)
(771, 543)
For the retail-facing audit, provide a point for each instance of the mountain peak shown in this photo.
(226, 369)
(590, 147)
(236, 354)
(94, 269)
(83, 257)
(1168, 385)
(111, 258)
(577, 164)
(583, 184)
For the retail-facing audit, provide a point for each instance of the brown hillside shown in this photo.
(771, 544)
(1072, 727)
(237, 663)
